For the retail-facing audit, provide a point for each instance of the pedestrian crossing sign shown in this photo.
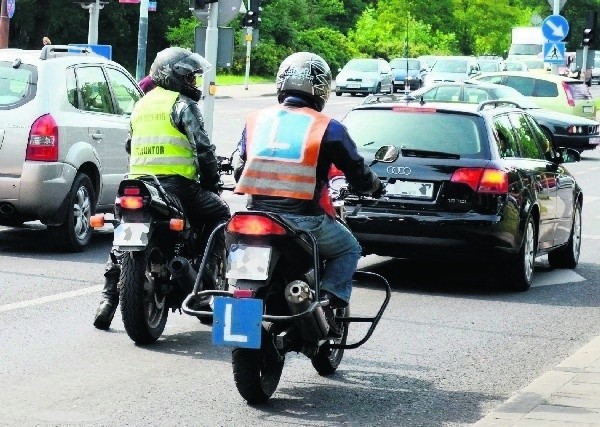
(554, 52)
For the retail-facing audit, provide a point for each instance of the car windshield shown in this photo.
(489, 65)
(361, 65)
(450, 66)
(515, 66)
(15, 85)
(403, 64)
(431, 131)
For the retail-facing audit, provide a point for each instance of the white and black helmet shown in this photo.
(176, 68)
(307, 75)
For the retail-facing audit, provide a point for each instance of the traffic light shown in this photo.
(589, 31)
(252, 16)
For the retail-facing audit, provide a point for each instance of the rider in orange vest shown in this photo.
(286, 153)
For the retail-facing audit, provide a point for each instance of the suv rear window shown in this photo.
(17, 85)
(433, 131)
(579, 90)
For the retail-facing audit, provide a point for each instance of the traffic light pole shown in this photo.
(208, 81)
(248, 50)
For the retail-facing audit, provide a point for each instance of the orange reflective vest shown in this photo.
(282, 150)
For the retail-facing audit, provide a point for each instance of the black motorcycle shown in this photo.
(161, 259)
(272, 305)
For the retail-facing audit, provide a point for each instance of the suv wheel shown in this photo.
(75, 233)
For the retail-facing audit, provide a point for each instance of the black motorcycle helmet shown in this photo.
(176, 68)
(306, 75)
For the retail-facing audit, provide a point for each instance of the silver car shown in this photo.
(364, 76)
(64, 122)
(452, 69)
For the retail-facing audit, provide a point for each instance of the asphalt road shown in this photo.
(450, 348)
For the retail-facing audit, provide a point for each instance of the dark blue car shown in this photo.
(407, 72)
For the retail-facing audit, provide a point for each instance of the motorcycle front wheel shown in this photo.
(327, 359)
(144, 310)
(257, 372)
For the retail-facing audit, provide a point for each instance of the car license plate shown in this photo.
(588, 109)
(422, 190)
(353, 85)
(133, 234)
(594, 141)
(248, 262)
(237, 322)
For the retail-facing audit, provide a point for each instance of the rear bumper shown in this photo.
(432, 235)
(40, 191)
(361, 89)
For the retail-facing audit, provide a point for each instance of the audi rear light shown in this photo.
(43, 140)
(255, 225)
(490, 181)
(569, 94)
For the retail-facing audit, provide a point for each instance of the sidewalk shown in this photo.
(566, 396)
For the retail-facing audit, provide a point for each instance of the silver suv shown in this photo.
(64, 122)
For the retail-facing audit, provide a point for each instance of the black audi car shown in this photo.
(564, 130)
(479, 180)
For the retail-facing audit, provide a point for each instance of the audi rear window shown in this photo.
(579, 90)
(17, 84)
(454, 133)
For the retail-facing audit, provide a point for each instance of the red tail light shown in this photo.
(43, 140)
(243, 293)
(482, 180)
(567, 89)
(255, 225)
(132, 191)
(131, 202)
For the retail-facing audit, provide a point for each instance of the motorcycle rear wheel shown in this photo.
(257, 372)
(327, 359)
(144, 311)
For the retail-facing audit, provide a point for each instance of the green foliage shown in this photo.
(183, 34)
(330, 44)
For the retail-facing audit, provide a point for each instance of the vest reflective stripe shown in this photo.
(157, 147)
(282, 150)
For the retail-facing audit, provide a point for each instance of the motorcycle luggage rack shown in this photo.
(374, 320)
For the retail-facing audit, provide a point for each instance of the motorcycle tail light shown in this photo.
(132, 191)
(243, 293)
(254, 225)
(131, 202)
(97, 221)
(176, 224)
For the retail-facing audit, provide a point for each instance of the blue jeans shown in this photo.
(338, 246)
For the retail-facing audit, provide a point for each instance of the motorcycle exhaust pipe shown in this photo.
(183, 273)
(299, 296)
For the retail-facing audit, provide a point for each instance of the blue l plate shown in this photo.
(237, 322)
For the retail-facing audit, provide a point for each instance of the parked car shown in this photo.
(477, 182)
(407, 71)
(65, 121)
(452, 69)
(429, 60)
(491, 65)
(563, 130)
(364, 76)
(514, 65)
(550, 91)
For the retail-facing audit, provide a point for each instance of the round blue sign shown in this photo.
(10, 8)
(555, 28)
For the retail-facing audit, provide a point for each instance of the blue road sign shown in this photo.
(554, 52)
(10, 8)
(555, 28)
(101, 49)
(237, 322)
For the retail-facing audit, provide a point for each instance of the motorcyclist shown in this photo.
(286, 153)
(168, 140)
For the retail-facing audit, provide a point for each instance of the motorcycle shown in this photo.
(273, 303)
(160, 248)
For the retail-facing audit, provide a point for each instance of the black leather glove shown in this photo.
(379, 192)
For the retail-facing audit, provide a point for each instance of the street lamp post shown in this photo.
(4, 25)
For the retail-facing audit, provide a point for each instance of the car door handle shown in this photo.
(97, 135)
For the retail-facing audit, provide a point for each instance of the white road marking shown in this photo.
(555, 277)
(50, 298)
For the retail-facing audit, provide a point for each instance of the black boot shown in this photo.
(110, 299)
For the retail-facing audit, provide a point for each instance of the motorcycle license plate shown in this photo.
(237, 322)
(248, 262)
(134, 234)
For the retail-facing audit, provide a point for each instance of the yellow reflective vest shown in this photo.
(158, 147)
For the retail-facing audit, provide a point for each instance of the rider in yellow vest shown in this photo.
(287, 152)
(168, 140)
